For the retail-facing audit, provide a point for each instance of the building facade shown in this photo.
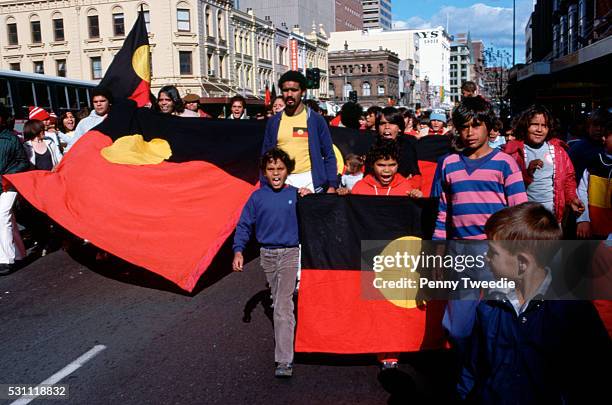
(405, 43)
(570, 56)
(293, 13)
(377, 14)
(466, 64)
(374, 75)
(201, 46)
(348, 15)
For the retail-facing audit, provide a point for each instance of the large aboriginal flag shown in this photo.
(129, 75)
(429, 150)
(335, 316)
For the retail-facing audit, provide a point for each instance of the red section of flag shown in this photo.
(334, 317)
(142, 94)
(141, 213)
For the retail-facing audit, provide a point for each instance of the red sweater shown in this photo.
(564, 179)
(400, 186)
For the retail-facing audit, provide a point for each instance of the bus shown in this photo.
(20, 90)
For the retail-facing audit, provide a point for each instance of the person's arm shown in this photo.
(245, 226)
(569, 185)
(468, 376)
(583, 194)
(327, 152)
(440, 232)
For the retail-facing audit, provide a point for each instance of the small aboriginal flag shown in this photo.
(129, 75)
(334, 313)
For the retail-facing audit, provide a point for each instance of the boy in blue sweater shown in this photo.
(271, 213)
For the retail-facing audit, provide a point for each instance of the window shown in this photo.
(94, 26)
(118, 25)
(58, 29)
(39, 67)
(60, 66)
(15, 66)
(185, 62)
(381, 68)
(96, 67)
(366, 89)
(381, 90)
(220, 26)
(12, 34)
(209, 23)
(183, 20)
(35, 30)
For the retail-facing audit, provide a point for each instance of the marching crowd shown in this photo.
(523, 180)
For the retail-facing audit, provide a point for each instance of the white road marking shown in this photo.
(63, 373)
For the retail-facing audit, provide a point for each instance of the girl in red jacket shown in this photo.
(382, 163)
(548, 172)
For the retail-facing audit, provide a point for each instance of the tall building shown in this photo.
(466, 64)
(427, 50)
(206, 47)
(302, 13)
(377, 14)
(348, 15)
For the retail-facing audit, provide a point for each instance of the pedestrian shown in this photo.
(169, 101)
(44, 154)
(192, 107)
(469, 89)
(595, 192)
(13, 159)
(350, 115)
(390, 126)
(39, 113)
(547, 170)
(582, 152)
(278, 104)
(67, 124)
(371, 115)
(437, 123)
(496, 141)
(526, 346)
(237, 108)
(271, 214)
(354, 173)
(474, 184)
(305, 136)
(102, 100)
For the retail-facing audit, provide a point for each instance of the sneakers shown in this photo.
(283, 370)
(5, 269)
(388, 365)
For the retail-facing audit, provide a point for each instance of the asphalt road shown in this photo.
(162, 346)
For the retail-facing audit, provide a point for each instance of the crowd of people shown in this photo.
(520, 181)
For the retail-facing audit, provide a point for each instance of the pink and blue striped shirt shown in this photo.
(475, 189)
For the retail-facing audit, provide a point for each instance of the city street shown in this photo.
(155, 344)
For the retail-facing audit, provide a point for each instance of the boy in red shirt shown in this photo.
(382, 163)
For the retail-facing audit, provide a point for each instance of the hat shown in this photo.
(438, 116)
(191, 98)
(37, 113)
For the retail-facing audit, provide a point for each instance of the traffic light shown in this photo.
(313, 78)
(353, 96)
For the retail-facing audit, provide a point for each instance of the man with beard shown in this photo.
(305, 136)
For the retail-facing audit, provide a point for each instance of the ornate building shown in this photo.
(201, 46)
(374, 75)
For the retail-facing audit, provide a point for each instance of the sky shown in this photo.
(487, 20)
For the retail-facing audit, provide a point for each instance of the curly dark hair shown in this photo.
(522, 123)
(383, 149)
(275, 154)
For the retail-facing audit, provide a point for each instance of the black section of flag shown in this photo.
(332, 227)
(120, 78)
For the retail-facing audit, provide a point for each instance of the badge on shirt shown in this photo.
(299, 132)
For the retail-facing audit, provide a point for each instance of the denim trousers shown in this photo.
(280, 267)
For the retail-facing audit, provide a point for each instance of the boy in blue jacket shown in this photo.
(271, 214)
(528, 347)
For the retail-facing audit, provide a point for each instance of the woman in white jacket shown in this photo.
(43, 152)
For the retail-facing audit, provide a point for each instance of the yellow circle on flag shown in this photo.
(404, 297)
(339, 159)
(141, 62)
